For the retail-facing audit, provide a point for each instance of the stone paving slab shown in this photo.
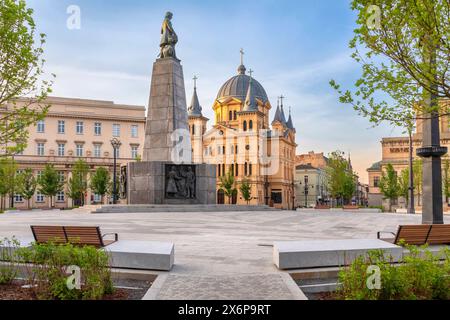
(233, 287)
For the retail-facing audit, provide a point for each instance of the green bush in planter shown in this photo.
(9, 260)
(48, 275)
(421, 275)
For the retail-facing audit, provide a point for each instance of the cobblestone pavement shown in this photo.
(221, 245)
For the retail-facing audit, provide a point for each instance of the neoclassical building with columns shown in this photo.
(80, 129)
(244, 142)
(395, 151)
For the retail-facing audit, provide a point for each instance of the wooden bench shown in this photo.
(420, 234)
(72, 234)
(322, 206)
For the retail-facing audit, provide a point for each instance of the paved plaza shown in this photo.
(219, 255)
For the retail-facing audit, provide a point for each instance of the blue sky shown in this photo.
(294, 47)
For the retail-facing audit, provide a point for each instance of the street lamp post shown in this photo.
(115, 144)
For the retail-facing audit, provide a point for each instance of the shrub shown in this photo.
(47, 273)
(420, 275)
(8, 260)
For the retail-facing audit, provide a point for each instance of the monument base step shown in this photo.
(180, 208)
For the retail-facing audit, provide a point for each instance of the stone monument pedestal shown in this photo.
(152, 182)
(166, 176)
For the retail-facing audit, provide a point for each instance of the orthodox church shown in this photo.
(244, 143)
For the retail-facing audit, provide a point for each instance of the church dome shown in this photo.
(237, 87)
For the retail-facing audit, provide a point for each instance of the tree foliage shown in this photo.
(246, 190)
(389, 185)
(50, 183)
(403, 184)
(227, 185)
(26, 185)
(403, 48)
(21, 74)
(78, 184)
(340, 177)
(100, 181)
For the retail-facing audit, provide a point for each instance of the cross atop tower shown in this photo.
(281, 99)
(242, 56)
(195, 78)
(250, 71)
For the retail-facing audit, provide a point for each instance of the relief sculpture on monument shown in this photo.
(180, 181)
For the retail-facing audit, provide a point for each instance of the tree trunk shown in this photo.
(410, 209)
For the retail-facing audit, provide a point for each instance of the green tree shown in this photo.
(246, 190)
(78, 184)
(9, 168)
(227, 185)
(3, 183)
(403, 184)
(50, 183)
(100, 182)
(389, 185)
(418, 173)
(341, 179)
(26, 185)
(21, 75)
(446, 180)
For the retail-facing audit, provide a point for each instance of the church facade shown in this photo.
(244, 142)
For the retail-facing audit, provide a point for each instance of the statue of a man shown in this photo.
(168, 38)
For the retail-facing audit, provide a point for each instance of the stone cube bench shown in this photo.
(129, 254)
(328, 253)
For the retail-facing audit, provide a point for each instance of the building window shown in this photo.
(97, 128)
(39, 174)
(237, 169)
(60, 196)
(61, 149)
(40, 149)
(97, 198)
(134, 152)
(230, 115)
(376, 182)
(97, 150)
(232, 169)
(61, 126)
(61, 176)
(218, 170)
(245, 169)
(250, 125)
(245, 125)
(39, 197)
(277, 196)
(18, 198)
(116, 130)
(80, 127)
(249, 169)
(79, 150)
(134, 131)
(234, 114)
(41, 126)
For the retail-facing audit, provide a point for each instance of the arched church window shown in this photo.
(236, 170)
(235, 115)
(249, 169)
(250, 125)
(245, 169)
(230, 115)
(245, 125)
(232, 169)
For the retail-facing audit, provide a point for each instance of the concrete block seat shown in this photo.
(328, 253)
(128, 254)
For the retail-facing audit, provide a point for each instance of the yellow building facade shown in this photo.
(244, 143)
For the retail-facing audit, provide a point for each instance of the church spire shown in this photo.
(289, 124)
(241, 68)
(283, 117)
(250, 101)
(277, 117)
(195, 109)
